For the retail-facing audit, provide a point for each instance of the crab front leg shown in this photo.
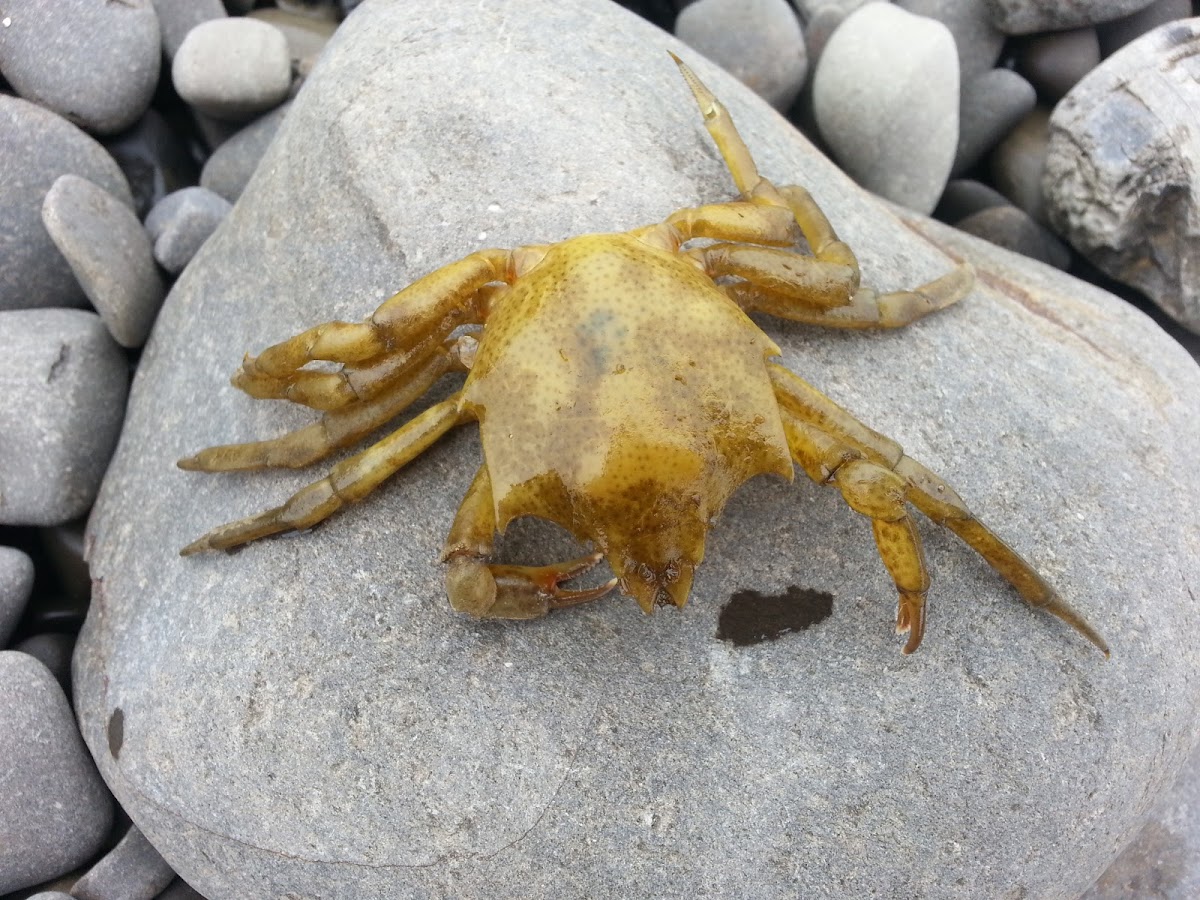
(487, 590)
(878, 479)
(349, 481)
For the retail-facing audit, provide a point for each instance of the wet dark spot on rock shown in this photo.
(751, 617)
(116, 732)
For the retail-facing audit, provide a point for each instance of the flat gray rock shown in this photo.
(599, 752)
(885, 96)
(93, 63)
(1122, 179)
(233, 69)
(110, 254)
(56, 810)
(16, 583)
(228, 170)
(1028, 16)
(181, 222)
(132, 870)
(63, 382)
(36, 147)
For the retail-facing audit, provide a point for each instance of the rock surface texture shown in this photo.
(1026, 16)
(1122, 177)
(600, 752)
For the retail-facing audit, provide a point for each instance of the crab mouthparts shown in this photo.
(667, 585)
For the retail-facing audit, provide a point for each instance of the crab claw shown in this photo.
(517, 592)
(910, 619)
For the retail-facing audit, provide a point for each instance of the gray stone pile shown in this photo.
(307, 718)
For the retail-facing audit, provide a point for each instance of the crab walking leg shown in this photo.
(879, 494)
(486, 590)
(349, 481)
(801, 402)
(333, 430)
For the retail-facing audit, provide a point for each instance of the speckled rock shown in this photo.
(978, 41)
(132, 870)
(16, 582)
(992, 105)
(182, 222)
(110, 254)
(885, 94)
(233, 69)
(95, 64)
(36, 147)
(599, 752)
(62, 397)
(56, 810)
(1122, 179)
(759, 41)
(1028, 16)
(52, 650)
(229, 169)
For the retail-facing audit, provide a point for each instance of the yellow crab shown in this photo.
(622, 392)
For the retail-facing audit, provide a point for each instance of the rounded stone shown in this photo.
(133, 868)
(1019, 161)
(228, 170)
(885, 95)
(964, 196)
(177, 17)
(110, 254)
(1013, 229)
(55, 808)
(181, 223)
(1054, 62)
(1028, 16)
(1122, 182)
(53, 650)
(233, 68)
(759, 41)
(978, 41)
(36, 147)
(598, 751)
(95, 64)
(65, 381)
(993, 104)
(16, 584)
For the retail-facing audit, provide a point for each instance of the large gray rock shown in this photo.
(600, 752)
(1028, 16)
(1122, 177)
(36, 147)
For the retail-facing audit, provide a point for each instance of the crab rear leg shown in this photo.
(349, 481)
(487, 590)
(833, 446)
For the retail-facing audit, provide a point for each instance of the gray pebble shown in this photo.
(885, 94)
(1018, 161)
(229, 169)
(1029, 16)
(991, 106)
(233, 69)
(132, 870)
(53, 650)
(177, 17)
(1013, 229)
(1054, 62)
(65, 381)
(110, 254)
(759, 41)
(154, 159)
(56, 810)
(181, 223)
(979, 42)
(964, 196)
(93, 63)
(1116, 34)
(819, 29)
(16, 584)
(180, 890)
(36, 147)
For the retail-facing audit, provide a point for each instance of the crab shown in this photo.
(622, 392)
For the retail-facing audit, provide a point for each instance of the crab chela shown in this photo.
(622, 392)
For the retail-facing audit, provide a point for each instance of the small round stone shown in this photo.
(1013, 229)
(16, 583)
(1054, 62)
(1018, 161)
(93, 63)
(65, 381)
(181, 222)
(57, 811)
(110, 254)
(964, 196)
(228, 170)
(177, 17)
(759, 41)
(885, 94)
(233, 68)
(993, 104)
(36, 147)
(979, 42)
(133, 868)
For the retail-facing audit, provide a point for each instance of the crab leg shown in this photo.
(333, 430)
(829, 439)
(487, 590)
(349, 481)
